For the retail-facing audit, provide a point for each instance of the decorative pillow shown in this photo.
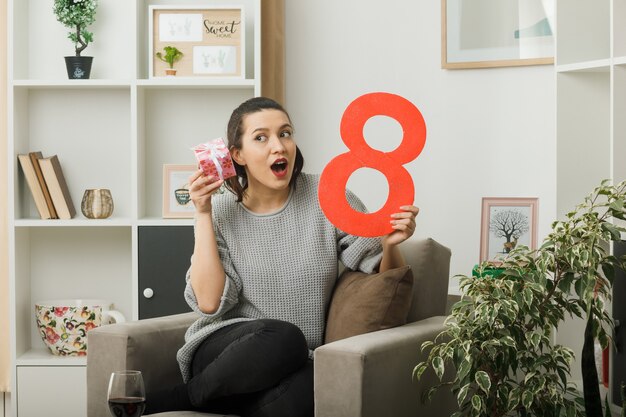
(364, 303)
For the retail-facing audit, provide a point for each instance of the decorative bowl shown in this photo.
(63, 324)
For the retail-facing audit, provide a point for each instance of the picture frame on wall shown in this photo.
(497, 33)
(505, 224)
(176, 200)
(211, 39)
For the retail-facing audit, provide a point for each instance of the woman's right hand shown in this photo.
(201, 189)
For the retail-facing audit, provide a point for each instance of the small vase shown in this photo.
(78, 67)
(170, 72)
(97, 203)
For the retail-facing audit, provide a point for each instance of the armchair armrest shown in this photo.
(371, 374)
(149, 346)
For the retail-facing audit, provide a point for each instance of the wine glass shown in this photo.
(126, 395)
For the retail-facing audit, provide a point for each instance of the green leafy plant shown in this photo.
(172, 55)
(499, 337)
(77, 15)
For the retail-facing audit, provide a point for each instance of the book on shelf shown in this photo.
(60, 193)
(34, 158)
(33, 184)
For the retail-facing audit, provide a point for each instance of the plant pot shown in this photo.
(170, 72)
(78, 67)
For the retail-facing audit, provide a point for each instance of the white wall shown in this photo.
(491, 132)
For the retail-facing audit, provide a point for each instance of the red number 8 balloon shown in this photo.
(332, 194)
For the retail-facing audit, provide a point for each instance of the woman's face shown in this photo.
(268, 150)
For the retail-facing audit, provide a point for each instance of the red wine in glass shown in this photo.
(126, 394)
(127, 406)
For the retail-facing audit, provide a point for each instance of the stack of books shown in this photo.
(47, 186)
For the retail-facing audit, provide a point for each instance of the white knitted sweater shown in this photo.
(281, 265)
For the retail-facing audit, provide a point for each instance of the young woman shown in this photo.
(262, 274)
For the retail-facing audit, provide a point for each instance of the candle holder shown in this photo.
(97, 203)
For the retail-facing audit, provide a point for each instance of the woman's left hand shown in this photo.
(403, 224)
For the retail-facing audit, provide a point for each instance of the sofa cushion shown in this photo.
(430, 262)
(364, 303)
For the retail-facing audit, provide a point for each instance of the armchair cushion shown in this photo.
(364, 303)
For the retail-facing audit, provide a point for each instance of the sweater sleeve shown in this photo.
(232, 284)
(358, 253)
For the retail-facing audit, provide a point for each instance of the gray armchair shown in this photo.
(369, 375)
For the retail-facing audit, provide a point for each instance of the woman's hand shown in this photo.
(201, 189)
(403, 224)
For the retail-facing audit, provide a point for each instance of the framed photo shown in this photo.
(211, 39)
(507, 223)
(497, 33)
(176, 201)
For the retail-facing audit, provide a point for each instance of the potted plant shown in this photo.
(499, 337)
(172, 55)
(77, 15)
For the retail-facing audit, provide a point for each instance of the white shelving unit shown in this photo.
(113, 131)
(591, 100)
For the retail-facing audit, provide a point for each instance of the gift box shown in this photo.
(493, 271)
(214, 159)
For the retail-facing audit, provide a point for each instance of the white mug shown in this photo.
(108, 315)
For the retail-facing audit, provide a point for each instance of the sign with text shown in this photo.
(331, 193)
(211, 41)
